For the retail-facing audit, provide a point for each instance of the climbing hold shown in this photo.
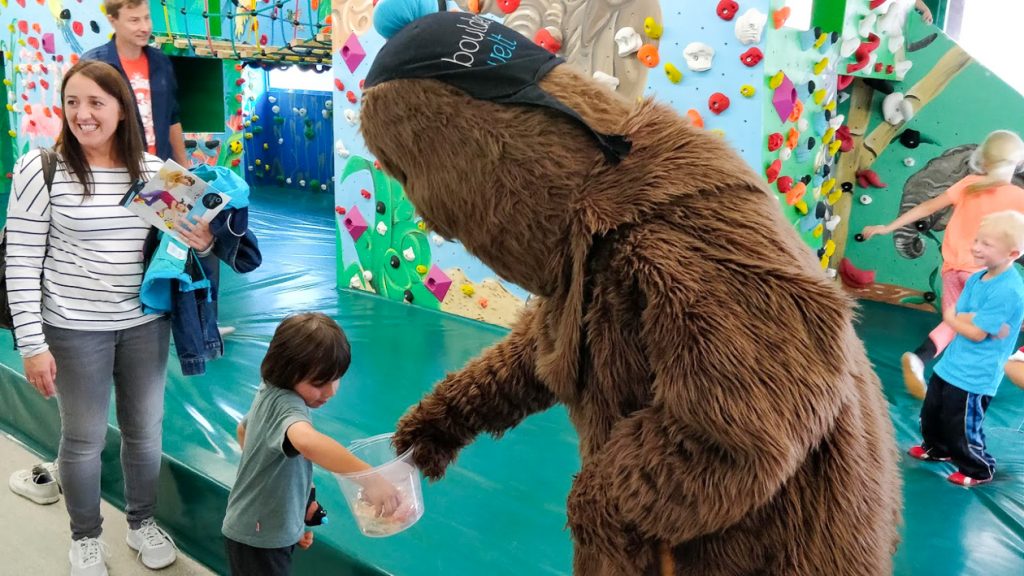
(896, 109)
(382, 228)
(266, 146)
(482, 302)
(275, 109)
(752, 57)
(801, 207)
(65, 14)
(673, 73)
(776, 81)
(820, 66)
(367, 275)
(606, 80)
(784, 184)
(774, 141)
(355, 223)
(858, 237)
(785, 154)
(780, 16)
(648, 55)
(854, 277)
(437, 282)
(749, 26)
(772, 172)
(507, 6)
(408, 297)
(280, 141)
(94, 26)
(695, 118)
(286, 180)
(909, 162)
(409, 254)
(628, 41)
(365, 193)
(77, 28)
(846, 187)
(421, 269)
(869, 178)
(549, 38)
(796, 194)
(727, 9)
(718, 103)
(350, 116)
(394, 262)
(802, 124)
(351, 97)
(381, 207)
(352, 52)
(698, 56)
(819, 96)
(248, 135)
(747, 91)
(468, 289)
(792, 138)
(652, 28)
(834, 147)
(843, 82)
(339, 210)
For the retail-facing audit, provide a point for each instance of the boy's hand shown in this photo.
(383, 495)
(306, 541)
(949, 314)
(1004, 331)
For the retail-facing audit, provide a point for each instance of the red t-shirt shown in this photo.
(138, 75)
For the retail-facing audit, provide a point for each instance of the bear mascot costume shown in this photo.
(729, 421)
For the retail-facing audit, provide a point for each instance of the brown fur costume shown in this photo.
(726, 410)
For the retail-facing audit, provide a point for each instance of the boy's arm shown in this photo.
(323, 450)
(963, 324)
(240, 432)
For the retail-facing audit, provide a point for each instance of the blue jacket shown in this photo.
(163, 88)
(193, 294)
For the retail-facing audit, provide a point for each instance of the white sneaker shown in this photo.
(37, 484)
(155, 547)
(88, 557)
(913, 375)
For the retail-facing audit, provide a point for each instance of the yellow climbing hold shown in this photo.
(829, 135)
(827, 185)
(718, 132)
(747, 90)
(835, 196)
(818, 230)
(819, 96)
(421, 269)
(652, 28)
(821, 40)
(831, 106)
(834, 147)
(10, 108)
(17, 67)
(673, 73)
(824, 262)
(776, 80)
(422, 226)
(468, 289)
(266, 146)
(248, 135)
(12, 133)
(801, 207)
(7, 82)
(258, 162)
(830, 247)
(821, 65)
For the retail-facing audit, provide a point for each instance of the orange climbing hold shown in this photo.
(798, 109)
(780, 16)
(695, 118)
(648, 55)
(792, 138)
(474, 6)
(796, 193)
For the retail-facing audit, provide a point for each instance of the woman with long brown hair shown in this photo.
(74, 267)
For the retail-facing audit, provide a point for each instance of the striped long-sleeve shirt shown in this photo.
(72, 262)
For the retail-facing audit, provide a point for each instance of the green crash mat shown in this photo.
(501, 508)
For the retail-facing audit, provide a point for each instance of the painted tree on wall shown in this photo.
(393, 252)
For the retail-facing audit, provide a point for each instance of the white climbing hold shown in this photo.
(837, 121)
(749, 26)
(832, 222)
(302, 183)
(607, 80)
(849, 46)
(325, 113)
(271, 99)
(802, 124)
(901, 68)
(287, 180)
(355, 282)
(867, 25)
(437, 240)
(352, 116)
(409, 254)
(628, 41)
(865, 199)
(302, 112)
(909, 162)
(367, 276)
(323, 187)
(275, 109)
(329, 104)
(785, 153)
(280, 141)
(698, 56)
(382, 228)
(896, 109)
(895, 43)
(341, 150)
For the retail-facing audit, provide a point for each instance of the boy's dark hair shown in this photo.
(308, 346)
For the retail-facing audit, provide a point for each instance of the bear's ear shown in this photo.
(390, 16)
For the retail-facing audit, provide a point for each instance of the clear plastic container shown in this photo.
(399, 471)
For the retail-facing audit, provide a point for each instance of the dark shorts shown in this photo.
(246, 560)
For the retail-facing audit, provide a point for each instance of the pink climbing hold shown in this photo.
(355, 223)
(352, 52)
(784, 98)
(48, 45)
(437, 282)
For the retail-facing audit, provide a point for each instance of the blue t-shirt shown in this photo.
(977, 367)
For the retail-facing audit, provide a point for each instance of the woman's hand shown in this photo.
(195, 233)
(41, 371)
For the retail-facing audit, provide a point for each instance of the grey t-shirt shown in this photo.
(267, 506)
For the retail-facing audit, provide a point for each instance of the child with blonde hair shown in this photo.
(986, 319)
(987, 190)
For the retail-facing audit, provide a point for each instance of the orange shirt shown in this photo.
(968, 210)
(138, 75)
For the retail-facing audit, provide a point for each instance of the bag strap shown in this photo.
(49, 158)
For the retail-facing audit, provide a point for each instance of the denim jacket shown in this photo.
(193, 299)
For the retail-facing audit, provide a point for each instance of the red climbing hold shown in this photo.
(351, 96)
(44, 69)
(28, 109)
(376, 164)
(752, 57)
(236, 162)
(878, 66)
(545, 40)
(508, 6)
(77, 27)
(58, 111)
(23, 26)
(727, 9)
(853, 277)
(33, 42)
(240, 81)
(784, 184)
(339, 210)
(869, 178)
(365, 193)
(889, 69)
(339, 85)
(774, 142)
(846, 139)
(718, 103)
(31, 85)
(47, 113)
(773, 170)
(844, 81)
(264, 40)
(876, 3)
(37, 28)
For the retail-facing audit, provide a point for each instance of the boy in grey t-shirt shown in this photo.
(266, 510)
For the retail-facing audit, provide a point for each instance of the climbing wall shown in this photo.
(799, 125)
(955, 103)
(291, 139)
(704, 59)
(874, 41)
